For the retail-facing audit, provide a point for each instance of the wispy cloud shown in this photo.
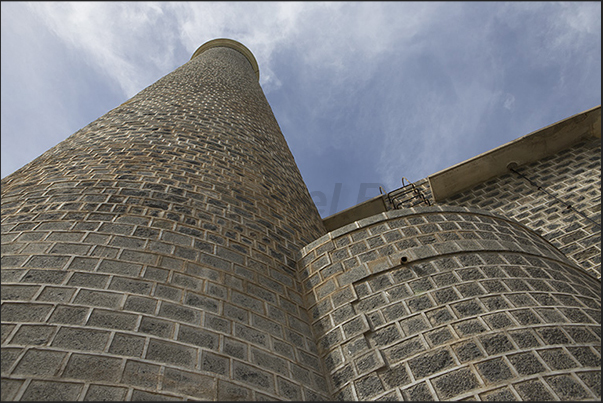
(374, 90)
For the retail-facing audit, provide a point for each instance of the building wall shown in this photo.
(569, 178)
(151, 255)
(451, 303)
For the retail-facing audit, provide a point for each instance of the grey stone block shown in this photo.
(141, 374)
(25, 312)
(112, 320)
(403, 350)
(533, 390)
(502, 394)
(127, 345)
(215, 363)
(289, 390)
(156, 327)
(144, 396)
(93, 368)
(15, 292)
(247, 302)
(253, 376)
(81, 339)
(419, 392)
(33, 335)
(198, 337)
(526, 363)
(369, 362)
(47, 262)
(44, 276)
(105, 393)
(467, 351)
(494, 371)
(169, 352)
(118, 267)
(235, 348)
(190, 384)
(98, 298)
(9, 388)
(368, 387)
(557, 358)
(140, 304)
(228, 391)
(202, 301)
(179, 313)
(269, 362)
(52, 391)
(251, 335)
(430, 363)
(72, 315)
(40, 363)
(454, 383)
(496, 343)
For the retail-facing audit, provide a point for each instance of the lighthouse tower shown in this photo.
(152, 254)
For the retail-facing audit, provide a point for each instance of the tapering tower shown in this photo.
(152, 254)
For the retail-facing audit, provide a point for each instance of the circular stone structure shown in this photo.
(451, 303)
(152, 254)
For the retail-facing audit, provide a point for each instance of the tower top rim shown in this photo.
(229, 43)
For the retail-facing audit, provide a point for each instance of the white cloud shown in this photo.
(413, 87)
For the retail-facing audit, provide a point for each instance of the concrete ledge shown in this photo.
(524, 150)
(366, 209)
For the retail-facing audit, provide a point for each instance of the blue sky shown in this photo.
(365, 92)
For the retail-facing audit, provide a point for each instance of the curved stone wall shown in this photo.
(152, 254)
(451, 303)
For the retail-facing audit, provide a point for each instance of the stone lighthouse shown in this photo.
(170, 250)
(152, 254)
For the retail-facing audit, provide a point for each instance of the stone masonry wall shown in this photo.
(152, 254)
(451, 303)
(574, 177)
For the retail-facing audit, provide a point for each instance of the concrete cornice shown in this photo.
(524, 150)
(229, 43)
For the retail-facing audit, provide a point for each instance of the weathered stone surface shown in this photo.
(152, 233)
(464, 320)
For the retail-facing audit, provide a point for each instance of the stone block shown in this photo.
(39, 363)
(81, 339)
(156, 327)
(253, 376)
(419, 392)
(93, 368)
(127, 345)
(141, 374)
(103, 299)
(228, 391)
(455, 383)
(9, 388)
(269, 362)
(25, 312)
(173, 353)
(97, 393)
(112, 320)
(179, 313)
(140, 304)
(59, 390)
(189, 383)
(533, 390)
(198, 337)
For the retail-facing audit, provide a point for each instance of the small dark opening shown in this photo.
(403, 259)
